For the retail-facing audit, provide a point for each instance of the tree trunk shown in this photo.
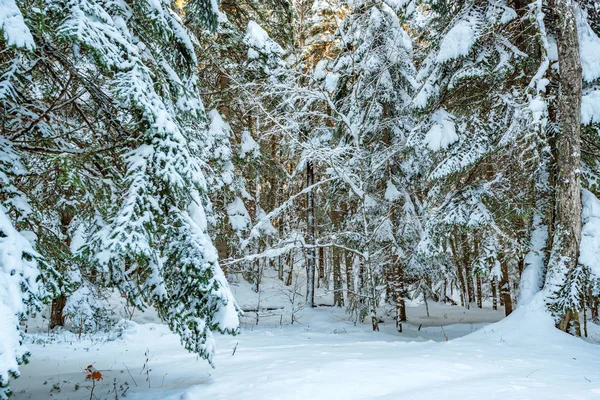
(567, 234)
(494, 295)
(399, 291)
(310, 240)
(459, 272)
(362, 284)
(56, 312)
(505, 288)
(479, 294)
(58, 304)
(321, 267)
(348, 260)
(338, 287)
(289, 260)
(468, 271)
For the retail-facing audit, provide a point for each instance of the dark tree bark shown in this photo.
(399, 292)
(468, 271)
(338, 286)
(322, 267)
(310, 240)
(348, 260)
(479, 294)
(505, 288)
(336, 258)
(56, 311)
(494, 295)
(58, 303)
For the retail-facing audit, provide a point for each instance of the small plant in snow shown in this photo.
(93, 375)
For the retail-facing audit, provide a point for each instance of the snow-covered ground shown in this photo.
(324, 356)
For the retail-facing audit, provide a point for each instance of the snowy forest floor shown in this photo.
(325, 356)
(454, 353)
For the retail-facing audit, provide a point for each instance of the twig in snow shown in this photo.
(532, 372)
(132, 378)
(444, 333)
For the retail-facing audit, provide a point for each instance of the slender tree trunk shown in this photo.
(257, 267)
(279, 268)
(336, 261)
(321, 267)
(567, 234)
(338, 286)
(362, 286)
(461, 283)
(58, 304)
(468, 272)
(505, 288)
(459, 272)
(348, 260)
(494, 295)
(399, 291)
(397, 281)
(310, 224)
(479, 294)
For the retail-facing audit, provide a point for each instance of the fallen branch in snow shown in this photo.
(261, 309)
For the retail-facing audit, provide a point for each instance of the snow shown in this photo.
(459, 40)
(589, 47)
(331, 81)
(391, 192)
(259, 41)
(13, 26)
(532, 276)
(538, 108)
(442, 133)
(324, 356)
(397, 5)
(427, 91)
(18, 290)
(83, 308)
(238, 215)
(589, 254)
(542, 84)
(218, 134)
(249, 146)
(508, 15)
(590, 107)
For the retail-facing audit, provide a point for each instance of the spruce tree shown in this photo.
(100, 102)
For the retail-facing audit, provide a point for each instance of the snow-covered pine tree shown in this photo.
(121, 108)
(365, 90)
(155, 247)
(478, 130)
(20, 291)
